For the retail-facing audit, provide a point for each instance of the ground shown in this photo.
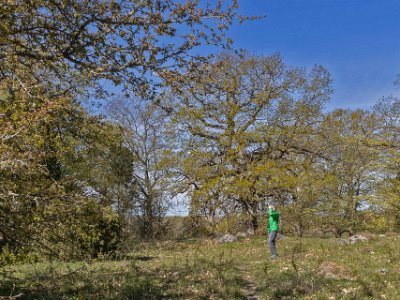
(307, 268)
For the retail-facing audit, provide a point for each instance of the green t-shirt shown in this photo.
(273, 220)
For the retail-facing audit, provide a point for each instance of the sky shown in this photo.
(358, 41)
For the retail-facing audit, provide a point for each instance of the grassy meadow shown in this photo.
(307, 268)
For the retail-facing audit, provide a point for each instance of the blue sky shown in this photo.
(357, 40)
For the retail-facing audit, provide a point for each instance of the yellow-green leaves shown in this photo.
(247, 122)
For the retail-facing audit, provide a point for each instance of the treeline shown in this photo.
(247, 131)
(231, 132)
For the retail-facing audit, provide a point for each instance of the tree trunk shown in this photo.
(254, 223)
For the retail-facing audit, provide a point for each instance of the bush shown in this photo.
(77, 228)
(87, 230)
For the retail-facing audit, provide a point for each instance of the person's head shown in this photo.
(273, 207)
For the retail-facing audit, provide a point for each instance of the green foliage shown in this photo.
(377, 222)
(56, 159)
(245, 122)
(88, 230)
(231, 132)
(388, 191)
(196, 226)
(66, 228)
(44, 159)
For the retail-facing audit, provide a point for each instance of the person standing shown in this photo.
(272, 228)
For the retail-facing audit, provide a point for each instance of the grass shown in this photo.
(200, 269)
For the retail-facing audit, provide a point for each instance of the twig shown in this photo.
(11, 297)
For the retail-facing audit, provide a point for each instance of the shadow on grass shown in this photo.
(196, 279)
(199, 275)
(292, 285)
(84, 285)
(205, 277)
(144, 258)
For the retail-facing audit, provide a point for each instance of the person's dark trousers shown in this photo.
(271, 242)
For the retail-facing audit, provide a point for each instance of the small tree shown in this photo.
(351, 163)
(388, 195)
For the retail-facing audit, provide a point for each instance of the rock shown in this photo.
(343, 242)
(354, 239)
(349, 291)
(241, 235)
(250, 231)
(357, 238)
(226, 238)
(333, 270)
(280, 236)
